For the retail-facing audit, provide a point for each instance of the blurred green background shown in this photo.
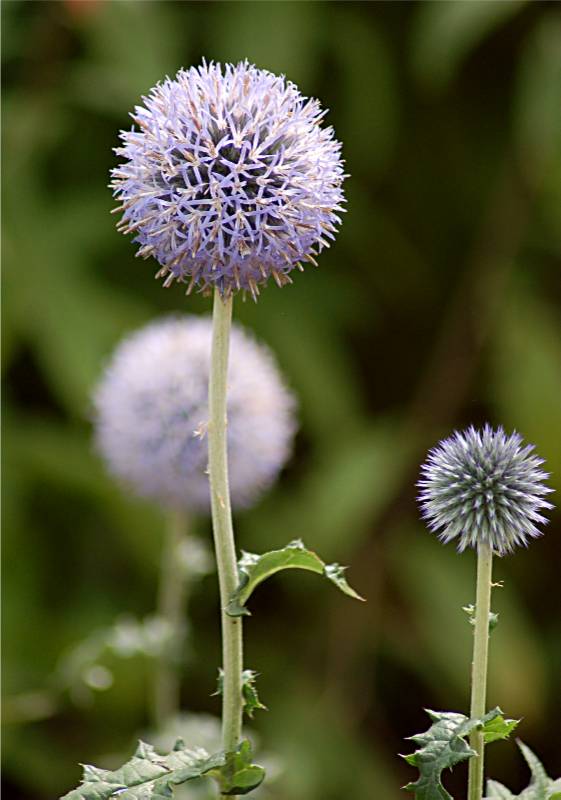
(438, 306)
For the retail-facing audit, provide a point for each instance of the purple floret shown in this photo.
(229, 178)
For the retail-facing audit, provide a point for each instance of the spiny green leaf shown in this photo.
(470, 611)
(540, 780)
(443, 746)
(498, 728)
(336, 574)
(238, 775)
(249, 691)
(253, 569)
(496, 791)
(150, 776)
(251, 702)
(541, 786)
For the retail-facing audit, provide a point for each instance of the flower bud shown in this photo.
(484, 487)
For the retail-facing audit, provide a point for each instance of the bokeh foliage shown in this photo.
(438, 306)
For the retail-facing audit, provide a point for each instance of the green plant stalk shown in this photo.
(479, 666)
(172, 600)
(232, 650)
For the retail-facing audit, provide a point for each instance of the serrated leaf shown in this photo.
(443, 746)
(251, 702)
(238, 775)
(498, 728)
(496, 791)
(540, 780)
(150, 776)
(253, 569)
(541, 786)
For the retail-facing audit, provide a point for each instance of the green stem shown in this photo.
(479, 666)
(171, 609)
(232, 653)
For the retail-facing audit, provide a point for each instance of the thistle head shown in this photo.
(229, 178)
(151, 413)
(482, 486)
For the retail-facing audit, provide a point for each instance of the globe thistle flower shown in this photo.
(484, 486)
(229, 179)
(151, 411)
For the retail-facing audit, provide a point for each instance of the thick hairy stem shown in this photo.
(479, 666)
(171, 609)
(232, 652)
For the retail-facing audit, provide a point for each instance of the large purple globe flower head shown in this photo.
(229, 179)
(151, 412)
(482, 486)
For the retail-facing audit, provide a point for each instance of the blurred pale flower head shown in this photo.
(484, 486)
(151, 413)
(229, 179)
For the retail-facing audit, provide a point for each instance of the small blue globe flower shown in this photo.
(229, 179)
(151, 414)
(484, 486)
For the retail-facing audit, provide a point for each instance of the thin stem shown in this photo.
(232, 653)
(171, 609)
(479, 666)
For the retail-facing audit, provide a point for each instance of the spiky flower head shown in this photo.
(229, 179)
(151, 413)
(482, 486)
